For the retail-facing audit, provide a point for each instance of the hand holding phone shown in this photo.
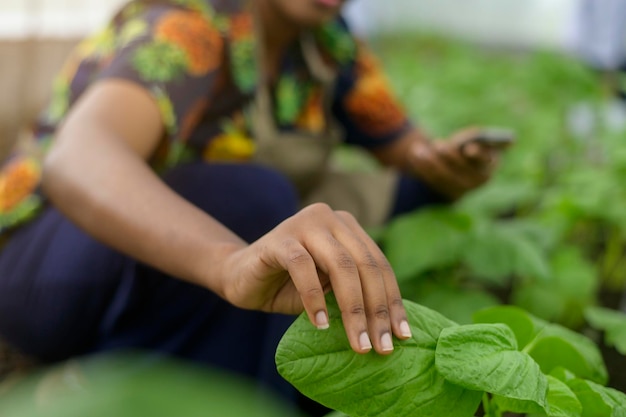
(493, 138)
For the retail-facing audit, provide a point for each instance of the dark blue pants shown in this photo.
(63, 294)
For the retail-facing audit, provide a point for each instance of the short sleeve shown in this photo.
(365, 104)
(175, 54)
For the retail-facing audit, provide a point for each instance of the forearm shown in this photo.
(398, 153)
(103, 186)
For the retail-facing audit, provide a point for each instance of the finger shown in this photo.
(338, 263)
(398, 317)
(467, 173)
(373, 287)
(479, 154)
(300, 265)
(451, 155)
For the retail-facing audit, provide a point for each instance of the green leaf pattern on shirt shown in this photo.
(244, 65)
(131, 31)
(166, 109)
(290, 98)
(160, 61)
(337, 41)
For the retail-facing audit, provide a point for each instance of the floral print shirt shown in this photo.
(197, 58)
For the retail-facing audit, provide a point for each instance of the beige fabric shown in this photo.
(367, 195)
(305, 158)
(27, 67)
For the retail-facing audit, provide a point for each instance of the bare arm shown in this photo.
(96, 174)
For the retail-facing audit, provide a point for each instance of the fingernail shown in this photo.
(364, 341)
(405, 329)
(386, 342)
(321, 320)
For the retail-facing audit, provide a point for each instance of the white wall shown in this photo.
(507, 22)
(517, 23)
(57, 18)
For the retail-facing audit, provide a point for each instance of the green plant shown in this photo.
(133, 384)
(508, 360)
(612, 323)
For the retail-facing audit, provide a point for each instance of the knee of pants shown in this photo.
(248, 199)
(56, 283)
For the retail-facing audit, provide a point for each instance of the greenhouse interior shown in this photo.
(514, 289)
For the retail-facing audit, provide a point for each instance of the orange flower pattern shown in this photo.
(192, 32)
(311, 117)
(19, 178)
(176, 50)
(371, 103)
(241, 26)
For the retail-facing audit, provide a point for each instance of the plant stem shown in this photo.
(489, 408)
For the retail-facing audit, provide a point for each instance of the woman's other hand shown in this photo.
(454, 166)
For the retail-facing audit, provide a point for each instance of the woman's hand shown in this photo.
(307, 255)
(454, 166)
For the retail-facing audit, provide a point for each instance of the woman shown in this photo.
(177, 198)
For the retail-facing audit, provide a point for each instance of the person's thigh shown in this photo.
(55, 284)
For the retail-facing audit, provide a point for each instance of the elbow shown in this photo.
(52, 172)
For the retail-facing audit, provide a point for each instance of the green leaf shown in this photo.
(552, 346)
(518, 320)
(484, 357)
(612, 322)
(499, 197)
(571, 288)
(424, 240)
(561, 402)
(498, 250)
(454, 302)
(598, 401)
(556, 346)
(322, 366)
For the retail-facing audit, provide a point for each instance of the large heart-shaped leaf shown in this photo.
(552, 346)
(485, 357)
(598, 401)
(561, 402)
(322, 366)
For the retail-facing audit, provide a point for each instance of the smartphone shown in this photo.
(494, 137)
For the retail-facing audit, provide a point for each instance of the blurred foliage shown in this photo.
(548, 232)
(132, 384)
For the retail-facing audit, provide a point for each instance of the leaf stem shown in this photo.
(489, 408)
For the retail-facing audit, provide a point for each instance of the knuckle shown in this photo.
(316, 209)
(345, 215)
(386, 267)
(369, 263)
(313, 292)
(299, 256)
(381, 312)
(346, 263)
(355, 310)
(396, 302)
